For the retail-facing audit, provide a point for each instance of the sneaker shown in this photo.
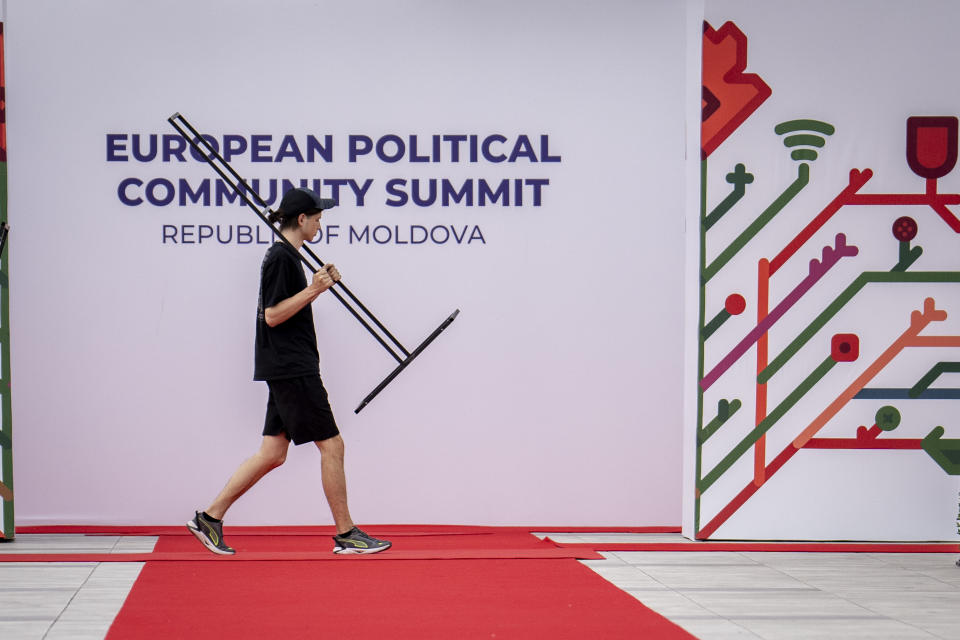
(210, 534)
(359, 542)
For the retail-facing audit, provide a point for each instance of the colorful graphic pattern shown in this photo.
(730, 96)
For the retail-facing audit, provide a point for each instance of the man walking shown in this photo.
(286, 358)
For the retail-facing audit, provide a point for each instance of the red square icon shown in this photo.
(845, 347)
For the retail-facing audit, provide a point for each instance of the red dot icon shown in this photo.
(904, 229)
(735, 304)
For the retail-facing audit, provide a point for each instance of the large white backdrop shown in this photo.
(554, 399)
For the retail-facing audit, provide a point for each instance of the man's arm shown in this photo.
(286, 309)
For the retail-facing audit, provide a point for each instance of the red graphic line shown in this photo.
(866, 439)
(745, 494)
(932, 200)
(849, 195)
(763, 303)
(857, 180)
(788, 452)
(854, 443)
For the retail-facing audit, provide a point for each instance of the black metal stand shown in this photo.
(259, 207)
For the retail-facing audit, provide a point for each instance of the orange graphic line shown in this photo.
(5, 492)
(935, 341)
(918, 321)
(763, 303)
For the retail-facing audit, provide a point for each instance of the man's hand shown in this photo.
(324, 278)
(285, 309)
(332, 270)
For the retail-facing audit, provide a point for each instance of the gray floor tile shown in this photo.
(671, 604)
(94, 607)
(691, 558)
(608, 538)
(59, 543)
(715, 629)
(792, 559)
(49, 575)
(785, 604)
(840, 579)
(914, 607)
(946, 629)
(847, 629)
(721, 577)
(628, 577)
(135, 544)
(35, 604)
(23, 630)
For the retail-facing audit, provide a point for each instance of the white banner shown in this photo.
(521, 162)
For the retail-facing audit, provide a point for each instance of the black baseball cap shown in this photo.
(300, 200)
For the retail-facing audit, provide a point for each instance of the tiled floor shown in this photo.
(74, 601)
(785, 596)
(714, 595)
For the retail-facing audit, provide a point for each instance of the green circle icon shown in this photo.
(888, 418)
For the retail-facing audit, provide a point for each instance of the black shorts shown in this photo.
(298, 408)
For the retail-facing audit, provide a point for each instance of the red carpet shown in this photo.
(518, 591)
(448, 599)
(314, 543)
(416, 540)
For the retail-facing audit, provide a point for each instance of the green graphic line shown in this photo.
(840, 301)
(739, 178)
(715, 323)
(803, 178)
(933, 374)
(944, 451)
(804, 154)
(4, 441)
(907, 256)
(804, 125)
(802, 389)
(700, 342)
(724, 411)
(804, 139)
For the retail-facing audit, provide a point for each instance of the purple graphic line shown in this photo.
(818, 268)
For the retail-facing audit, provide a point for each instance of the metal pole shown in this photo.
(240, 186)
(215, 154)
(242, 189)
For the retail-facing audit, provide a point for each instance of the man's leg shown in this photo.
(272, 453)
(335, 481)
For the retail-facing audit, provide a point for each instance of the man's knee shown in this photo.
(332, 447)
(273, 452)
(273, 459)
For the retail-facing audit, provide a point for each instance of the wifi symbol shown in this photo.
(804, 139)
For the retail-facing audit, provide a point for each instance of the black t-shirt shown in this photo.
(289, 349)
